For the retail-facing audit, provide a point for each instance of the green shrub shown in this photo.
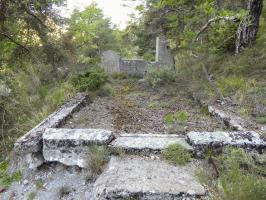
(169, 118)
(90, 81)
(180, 116)
(176, 154)
(160, 77)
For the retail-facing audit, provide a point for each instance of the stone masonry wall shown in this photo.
(111, 61)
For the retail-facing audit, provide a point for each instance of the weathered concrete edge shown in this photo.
(31, 142)
(218, 145)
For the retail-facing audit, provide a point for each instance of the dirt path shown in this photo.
(135, 107)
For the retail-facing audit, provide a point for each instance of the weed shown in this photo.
(97, 158)
(119, 75)
(31, 196)
(182, 116)
(64, 191)
(239, 176)
(92, 80)
(106, 91)
(176, 154)
(169, 118)
(261, 120)
(160, 77)
(5, 178)
(236, 85)
(39, 184)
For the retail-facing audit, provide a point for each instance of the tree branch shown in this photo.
(213, 20)
(14, 41)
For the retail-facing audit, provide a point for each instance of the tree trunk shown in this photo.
(248, 28)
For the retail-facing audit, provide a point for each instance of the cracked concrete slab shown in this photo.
(151, 143)
(145, 179)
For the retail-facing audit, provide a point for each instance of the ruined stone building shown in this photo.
(112, 62)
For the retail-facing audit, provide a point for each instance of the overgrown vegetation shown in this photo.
(177, 154)
(160, 77)
(240, 176)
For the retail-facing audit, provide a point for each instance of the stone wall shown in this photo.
(134, 67)
(111, 62)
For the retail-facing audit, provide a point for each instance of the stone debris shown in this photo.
(32, 141)
(234, 122)
(34, 160)
(146, 179)
(47, 182)
(151, 143)
(70, 146)
(243, 139)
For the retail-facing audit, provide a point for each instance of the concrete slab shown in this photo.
(244, 139)
(151, 143)
(146, 179)
(70, 146)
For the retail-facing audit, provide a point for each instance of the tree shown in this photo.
(248, 27)
(92, 34)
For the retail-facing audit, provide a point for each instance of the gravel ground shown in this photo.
(137, 108)
(51, 182)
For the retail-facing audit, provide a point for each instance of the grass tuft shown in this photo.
(97, 158)
(176, 154)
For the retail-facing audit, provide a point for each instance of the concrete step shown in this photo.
(147, 143)
(145, 179)
(70, 146)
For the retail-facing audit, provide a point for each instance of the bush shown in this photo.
(176, 154)
(159, 77)
(90, 81)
